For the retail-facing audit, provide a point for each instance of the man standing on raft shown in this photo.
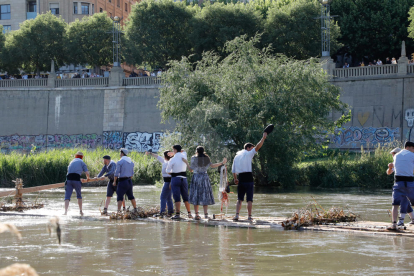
(403, 180)
(242, 166)
(73, 180)
(124, 172)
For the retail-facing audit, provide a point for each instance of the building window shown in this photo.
(5, 12)
(126, 7)
(93, 8)
(75, 7)
(118, 3)
(85, 8)
(31, 6)
(6, 29)
(109, 1)
(110, 14)
(100, 10)
(54, 8)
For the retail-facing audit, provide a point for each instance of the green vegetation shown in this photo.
(50, 167)
(224, 103)
(340, 170)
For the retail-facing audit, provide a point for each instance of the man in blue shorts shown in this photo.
(73, 180)
(403, 180)
(108, 170)
(242, 166)
(123, 173)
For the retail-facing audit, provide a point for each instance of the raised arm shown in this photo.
(188, 165)
(219, 164)
(260, 144)
(390, 169)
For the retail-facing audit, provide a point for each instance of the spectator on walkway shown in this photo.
(346, 65)
(393, 61)
(387, 60)
(379, 62)
(159, 73)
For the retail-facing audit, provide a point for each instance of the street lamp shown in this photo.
(326, 27)
(116, 39)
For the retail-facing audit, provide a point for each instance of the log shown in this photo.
(33, 189)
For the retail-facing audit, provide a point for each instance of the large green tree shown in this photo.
(36, 43)
(373, 28)
(293, 30)
(217, 23)
(157, 31)
(90, 40)
(224, 103)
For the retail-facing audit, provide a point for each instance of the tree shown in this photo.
(90, 40)
(293, 29)
(36, 43)
(157, 31)
(373, 28)
(2, 42)
(217, 23)
(224, 103)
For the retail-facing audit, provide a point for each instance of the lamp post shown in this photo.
(326, 27)
(116, 39)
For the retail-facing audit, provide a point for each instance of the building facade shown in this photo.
(14, 12)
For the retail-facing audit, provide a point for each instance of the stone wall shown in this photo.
(111, 117)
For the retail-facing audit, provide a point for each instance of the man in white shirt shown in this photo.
(242, 166)
(179, 185)
(403, 180)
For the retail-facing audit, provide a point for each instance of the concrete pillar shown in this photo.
(114, 109)
(402, 61)
(328, 65)
(116, 76)
(79, 7)
(51, 79)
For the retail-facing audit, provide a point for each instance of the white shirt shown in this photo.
(404, 163)
(176, 164)
(243, 161)
(164, 166)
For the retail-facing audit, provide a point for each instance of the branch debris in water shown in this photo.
(142, 212)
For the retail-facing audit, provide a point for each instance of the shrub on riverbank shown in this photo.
(364, 170)
(43, 168)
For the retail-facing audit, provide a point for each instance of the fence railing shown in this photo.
(82, 82)
(140, 81)
(388, 69)
(410, 69)
(23, 83)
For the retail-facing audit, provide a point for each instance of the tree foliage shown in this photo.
(157, 31)
(90, 40)
(373, 28)
(224, 103)
(293, 30)
(36, 43)
(217, 23)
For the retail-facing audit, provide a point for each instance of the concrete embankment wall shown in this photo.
(111, 117)
(382, 111)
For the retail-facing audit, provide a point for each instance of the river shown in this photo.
(94, 247)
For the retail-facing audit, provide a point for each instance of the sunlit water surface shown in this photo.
(95, 247)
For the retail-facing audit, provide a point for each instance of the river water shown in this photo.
(96, 247)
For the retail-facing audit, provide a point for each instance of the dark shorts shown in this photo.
(402, 190)
(73, 185)
(110, 189)
(124, 188)
(245, 188)
(179, 188)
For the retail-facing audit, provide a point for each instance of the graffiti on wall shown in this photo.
(364, 136)
(138, 141)
(142, 141)
(112, 140)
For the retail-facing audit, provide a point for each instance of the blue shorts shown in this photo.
(245, 188)
(110, 189)
(124, 188)
(405, 207)
(401, 190)
(179, 188)
(70, 185)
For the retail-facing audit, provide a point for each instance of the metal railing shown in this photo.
(82, 82)
(23, 83)
(350, 72)
(141, 81)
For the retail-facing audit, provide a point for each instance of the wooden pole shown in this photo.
(33, 189)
